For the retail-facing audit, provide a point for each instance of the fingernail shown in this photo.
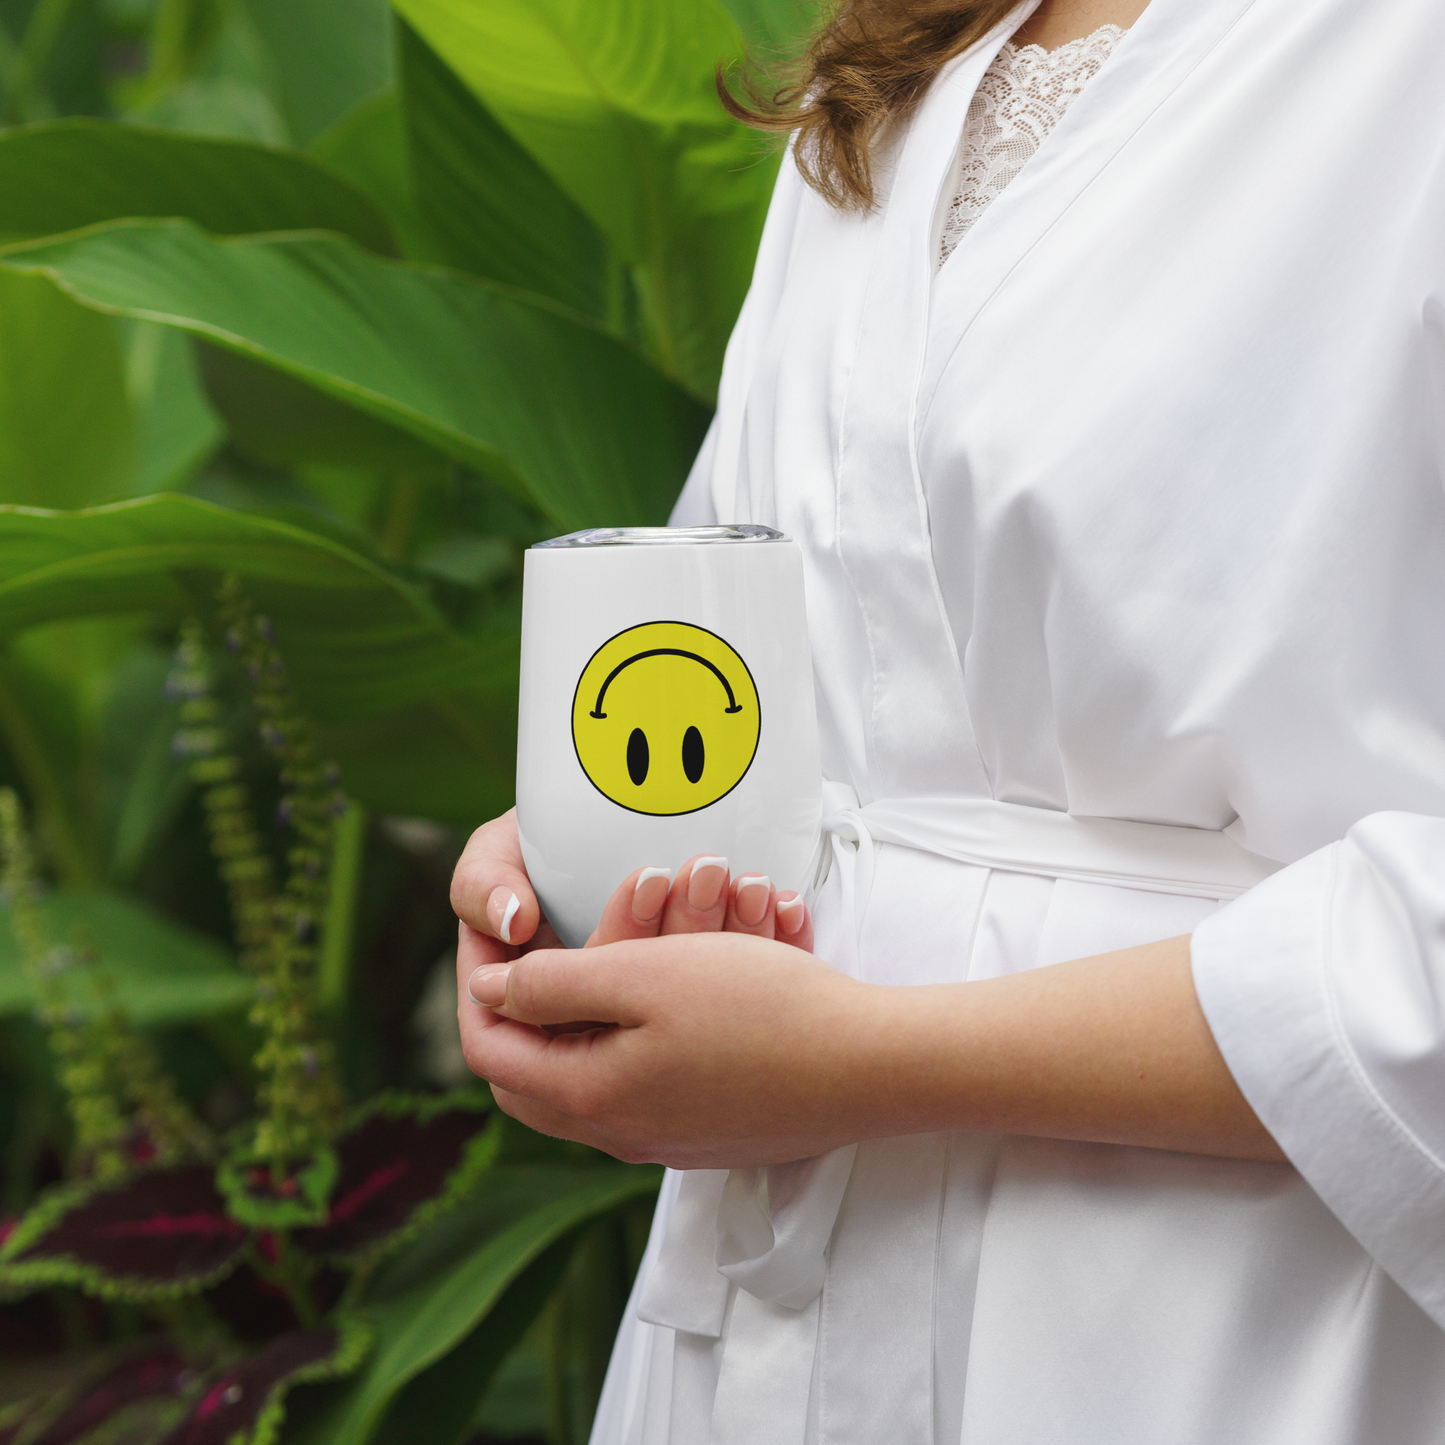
(488, 985)
(752, 902)
(705, 886)
(650, 893)
(502, 908)
(791, 914)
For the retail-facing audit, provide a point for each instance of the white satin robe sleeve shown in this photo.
(1325, 990)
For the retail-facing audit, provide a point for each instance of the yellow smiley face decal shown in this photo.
(665, 718)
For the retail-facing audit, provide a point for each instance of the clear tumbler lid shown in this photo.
(664, 536)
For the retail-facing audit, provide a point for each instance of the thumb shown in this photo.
(554, 986)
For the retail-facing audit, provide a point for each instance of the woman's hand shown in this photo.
(500, 918)
(718, 1050)
(492, 897)
(708, 1049)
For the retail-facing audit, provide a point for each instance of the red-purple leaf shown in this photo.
(399, 1164)
(164, 1232)
(160, 1372)
(244, 1403)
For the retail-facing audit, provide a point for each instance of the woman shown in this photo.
(1122, 1108)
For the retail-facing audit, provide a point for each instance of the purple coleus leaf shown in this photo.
(401, 1162)
(155, 1374)
(243, 1405)
(161, 1233)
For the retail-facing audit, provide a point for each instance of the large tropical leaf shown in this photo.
(283, 422)
(326, 56)
(357, 638)
(543, 402)
(161, 973)
(775, 28)
(363, 646)
(616, 101)
(419, 1317)
(62, 175)
(490, 207)
(176, 427)
(368, 146)
(65, 422)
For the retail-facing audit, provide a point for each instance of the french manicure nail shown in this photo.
(650, 893)
(752, 902)
(488, 984)
(705, 886)
(791, 914)
(502, 908)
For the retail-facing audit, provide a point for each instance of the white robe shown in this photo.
(1132, 511)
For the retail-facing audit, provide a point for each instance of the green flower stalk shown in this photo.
(300, 1093)
(244, 864)
(124, 1106)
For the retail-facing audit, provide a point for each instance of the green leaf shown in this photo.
(356, 638)
(163, 973)
(452, 759)
(62, 175)
(448, 1392)
(616, 101)
(363, 646)
(282, 422)
(490, 207)
(65, 422)
(527, 1210)
(368, 146)
(209, 74)
(177, 429)
(775, 26)
(523, 392)
(326, 55)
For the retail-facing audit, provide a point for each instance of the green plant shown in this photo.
(313, 315)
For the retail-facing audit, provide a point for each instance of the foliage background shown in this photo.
(353, 303)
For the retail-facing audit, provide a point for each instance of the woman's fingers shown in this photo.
(793, 923)
(750, 905)
(635, 910)
(490, 889)
(698, 901)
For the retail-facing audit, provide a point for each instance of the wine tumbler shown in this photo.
(666, 710)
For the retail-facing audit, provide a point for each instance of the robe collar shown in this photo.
(1151, 61)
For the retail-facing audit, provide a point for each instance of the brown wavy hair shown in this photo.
(866, 68)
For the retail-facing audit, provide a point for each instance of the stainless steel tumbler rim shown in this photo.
(664, 536)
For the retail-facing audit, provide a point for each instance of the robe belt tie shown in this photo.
(767, 1230)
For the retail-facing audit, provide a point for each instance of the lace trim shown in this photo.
(1021, 98)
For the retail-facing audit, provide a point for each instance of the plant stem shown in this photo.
(288, 1277)
(339, 928)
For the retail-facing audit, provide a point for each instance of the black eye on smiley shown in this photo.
(639, 756)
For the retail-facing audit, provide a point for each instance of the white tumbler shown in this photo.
(666, 710)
